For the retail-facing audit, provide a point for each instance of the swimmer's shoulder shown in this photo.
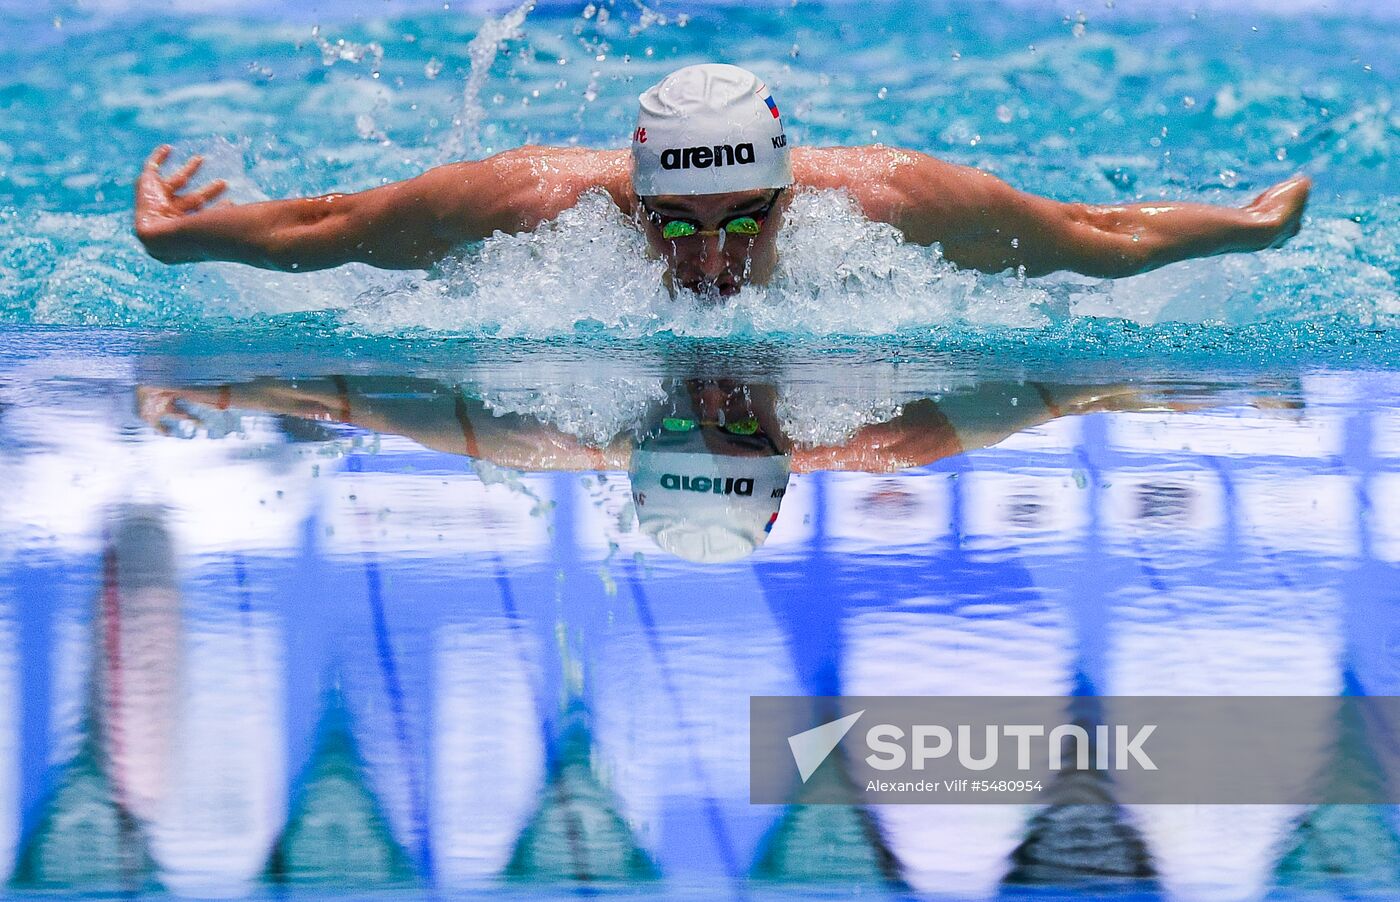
(850, 167)
(543, 182)
(885, 181)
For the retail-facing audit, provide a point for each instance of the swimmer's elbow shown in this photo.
(1098, 242)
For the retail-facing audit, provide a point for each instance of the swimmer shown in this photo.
(708, 176)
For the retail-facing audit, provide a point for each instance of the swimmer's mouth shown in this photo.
(725, 289)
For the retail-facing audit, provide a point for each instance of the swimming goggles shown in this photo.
(741, 426)
(746, 226)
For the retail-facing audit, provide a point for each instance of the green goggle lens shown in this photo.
(745, 426)
(744, 226)
(677, 228)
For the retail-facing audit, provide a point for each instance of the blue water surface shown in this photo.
(1115, 102)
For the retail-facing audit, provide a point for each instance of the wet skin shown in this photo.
(710, 264)
(979, 221)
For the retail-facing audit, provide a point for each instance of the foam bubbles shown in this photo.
(839, 273)
(586, 270)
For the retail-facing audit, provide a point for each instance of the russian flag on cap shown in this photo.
(767, 99)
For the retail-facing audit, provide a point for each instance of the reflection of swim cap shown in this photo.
(709, 129)
(708, 508)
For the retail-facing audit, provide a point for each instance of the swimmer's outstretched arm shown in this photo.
(403, 225)
(926, 431)
(433, 414)
(983, 223)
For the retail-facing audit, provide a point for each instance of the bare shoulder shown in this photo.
(912, 190)
(518, 189)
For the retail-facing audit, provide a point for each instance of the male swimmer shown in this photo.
(707, 178)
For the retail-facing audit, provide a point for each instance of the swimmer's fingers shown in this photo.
(165, 411)
(158, 158)
(197, 199)
(182, 177)
(1281, 207)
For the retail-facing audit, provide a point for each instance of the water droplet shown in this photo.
(432, 69)
(882, 93)
(1188, 101)
(1281, 153)
(1003, 113)
(957, 55)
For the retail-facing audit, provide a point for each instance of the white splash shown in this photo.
(839, 273)
(465, 140)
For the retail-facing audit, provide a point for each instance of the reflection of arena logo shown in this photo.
(1164, 502)
(889, 499)
(718, 485)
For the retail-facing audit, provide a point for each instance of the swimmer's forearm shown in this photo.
(298, 235)
(1121, 241)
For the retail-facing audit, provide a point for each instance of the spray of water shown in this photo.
(465, 138)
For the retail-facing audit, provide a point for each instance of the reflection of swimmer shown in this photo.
(707, 180)
(710, 464)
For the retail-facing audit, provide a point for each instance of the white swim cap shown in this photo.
(709, 129)
(708, 508)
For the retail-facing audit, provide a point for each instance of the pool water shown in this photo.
(332, 584)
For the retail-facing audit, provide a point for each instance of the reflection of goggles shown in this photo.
(743, 426)
(746, 226)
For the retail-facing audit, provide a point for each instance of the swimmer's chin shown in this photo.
(705, 292)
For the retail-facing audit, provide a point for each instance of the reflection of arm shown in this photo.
(926, 431)
(919, 435)
(430, 413)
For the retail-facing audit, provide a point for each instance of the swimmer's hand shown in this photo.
(161, 208)
(1279, 209)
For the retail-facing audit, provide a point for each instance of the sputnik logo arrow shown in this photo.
(811, 748)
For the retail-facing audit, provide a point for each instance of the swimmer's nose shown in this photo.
(709, 258)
